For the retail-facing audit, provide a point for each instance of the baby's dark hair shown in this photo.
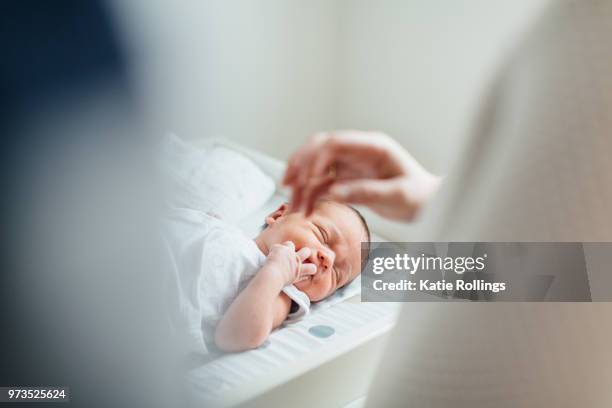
(365, 248)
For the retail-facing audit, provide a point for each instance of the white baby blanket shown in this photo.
(216, 180)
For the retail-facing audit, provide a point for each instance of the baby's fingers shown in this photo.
(306, 270)
(303, 254)
(289, 245)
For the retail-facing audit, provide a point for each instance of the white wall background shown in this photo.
(268, 73)
(415, 68)
(259, 72)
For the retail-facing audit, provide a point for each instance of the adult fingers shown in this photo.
(310, 166)
(307, 155)
(322, 162)
(296, 198)
(295, 176)
(393, 199)
(297, 171)
(366, 192)
(295, 164)
(314, 191)
(292, 169)
(354, 149)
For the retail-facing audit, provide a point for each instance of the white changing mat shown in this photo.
(292, 343)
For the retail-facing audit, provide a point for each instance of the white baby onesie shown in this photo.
(211, 261)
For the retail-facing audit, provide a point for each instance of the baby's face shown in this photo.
(333, 232)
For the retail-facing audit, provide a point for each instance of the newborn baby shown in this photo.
(234, 290)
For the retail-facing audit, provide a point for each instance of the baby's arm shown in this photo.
(262, 306)
(258, 309)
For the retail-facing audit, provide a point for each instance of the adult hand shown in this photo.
(367, 168)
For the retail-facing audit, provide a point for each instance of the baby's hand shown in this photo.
(288, 263)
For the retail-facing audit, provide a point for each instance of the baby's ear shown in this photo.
(272, 217)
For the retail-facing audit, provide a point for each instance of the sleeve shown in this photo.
(538, 167)
(539, 170)
(300, 303)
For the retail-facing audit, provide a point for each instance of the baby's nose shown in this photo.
(325, 260)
